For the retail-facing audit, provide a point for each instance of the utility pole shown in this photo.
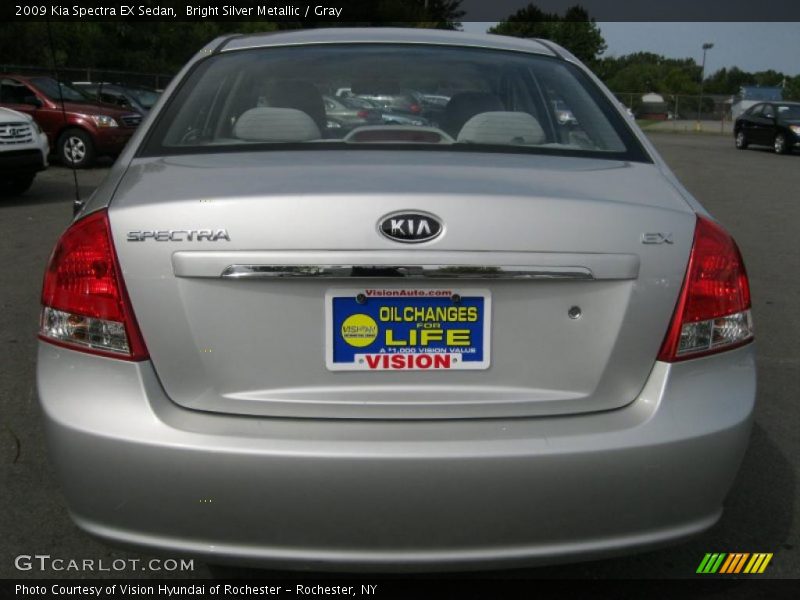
(706, 47)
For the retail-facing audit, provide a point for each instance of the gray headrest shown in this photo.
(465, 105)
(502, 127)
(267, 124)
(300, 95)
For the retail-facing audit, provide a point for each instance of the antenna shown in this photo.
(77, 203)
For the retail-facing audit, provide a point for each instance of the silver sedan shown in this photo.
(499, 338)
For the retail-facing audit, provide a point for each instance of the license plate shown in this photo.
(407, 329)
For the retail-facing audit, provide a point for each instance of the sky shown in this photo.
(750, 46)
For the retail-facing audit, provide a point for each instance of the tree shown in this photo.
(791, 90)
(528, 22)
(579, 34)
(575, 31)
(728, 81)
(769, 78)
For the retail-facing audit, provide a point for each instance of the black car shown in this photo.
(775, 124)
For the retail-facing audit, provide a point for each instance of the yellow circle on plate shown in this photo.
(359, 330)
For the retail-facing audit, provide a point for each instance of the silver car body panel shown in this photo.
(139, 470)
(387, 35)
(221, 344)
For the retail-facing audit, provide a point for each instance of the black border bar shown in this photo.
(393, 11)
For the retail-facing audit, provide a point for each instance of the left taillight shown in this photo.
(84, 302)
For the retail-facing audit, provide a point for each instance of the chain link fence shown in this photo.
(681, 110)
(156, 81)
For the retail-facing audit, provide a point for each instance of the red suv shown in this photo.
(81, 131)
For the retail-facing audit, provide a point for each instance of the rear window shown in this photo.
(50, 88)
(789, 112)
(399, 96)
(147, 98)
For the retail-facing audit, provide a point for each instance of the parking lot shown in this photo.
(755, 194)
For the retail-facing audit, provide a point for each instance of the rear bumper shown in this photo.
(138, 470)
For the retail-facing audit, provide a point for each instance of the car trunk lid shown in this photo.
(603, 246)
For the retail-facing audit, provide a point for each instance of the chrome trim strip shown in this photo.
(404, 271)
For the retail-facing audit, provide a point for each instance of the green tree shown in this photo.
(728, 81)
(791, 89)
(575, 31)
(769, 78)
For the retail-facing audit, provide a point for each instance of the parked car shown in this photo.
(403, 107)
(23, 151)
(750, 95)
(401, 349)
(390, 100)
(775, 124)
(79, 131)
(348, 113)
(138, 99)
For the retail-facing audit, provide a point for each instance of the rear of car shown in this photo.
(23, 151)
(495, 338)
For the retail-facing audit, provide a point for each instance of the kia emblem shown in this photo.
(410, 227)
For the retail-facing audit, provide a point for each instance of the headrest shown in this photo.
(300, 95)
(465, 105)
(267, 124)
(502, 127)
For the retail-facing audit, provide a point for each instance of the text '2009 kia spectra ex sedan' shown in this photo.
(485, 337)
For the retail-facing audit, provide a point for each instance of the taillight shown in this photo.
(362, 114)
(415, 108)
(713, 310)
(84, 302)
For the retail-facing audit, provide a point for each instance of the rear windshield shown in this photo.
(50, 88)
(390, 96)
(147, 98)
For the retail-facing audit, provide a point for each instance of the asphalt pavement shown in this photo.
(754, 193)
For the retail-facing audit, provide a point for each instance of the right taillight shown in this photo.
(713, 310)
